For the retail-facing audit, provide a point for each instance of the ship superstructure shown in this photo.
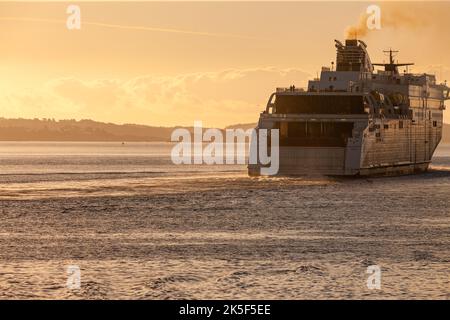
(355, 121)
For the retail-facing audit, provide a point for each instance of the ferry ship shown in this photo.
(354, 120)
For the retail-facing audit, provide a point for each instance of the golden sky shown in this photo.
(170, 63)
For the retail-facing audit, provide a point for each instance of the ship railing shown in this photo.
(292, 89)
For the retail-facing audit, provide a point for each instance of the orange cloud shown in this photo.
(217, 98)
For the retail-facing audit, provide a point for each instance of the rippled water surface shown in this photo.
(141, 228)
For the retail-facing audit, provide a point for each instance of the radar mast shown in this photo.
(392, 66)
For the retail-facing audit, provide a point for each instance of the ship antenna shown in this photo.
(391, 55)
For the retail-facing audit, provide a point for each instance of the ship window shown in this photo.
(400, 124)
(434, 123)
(386, 126)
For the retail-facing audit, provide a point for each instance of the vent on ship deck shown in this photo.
(315, 134)
(319, 104)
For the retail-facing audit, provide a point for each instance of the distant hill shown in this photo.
(243, 126)
(83, 130)
(88, 130)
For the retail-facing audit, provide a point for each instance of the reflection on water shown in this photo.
(140, 227)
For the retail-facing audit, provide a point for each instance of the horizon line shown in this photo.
(128, 123)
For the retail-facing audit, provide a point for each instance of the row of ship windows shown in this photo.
(394, 126)
(374, 77)
(419, 103)
(421, 114)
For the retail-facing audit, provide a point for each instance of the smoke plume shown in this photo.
(393, 15)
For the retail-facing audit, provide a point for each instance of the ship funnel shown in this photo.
(351, 42)
(353, 56)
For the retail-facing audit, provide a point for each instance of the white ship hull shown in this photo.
(389, 150)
